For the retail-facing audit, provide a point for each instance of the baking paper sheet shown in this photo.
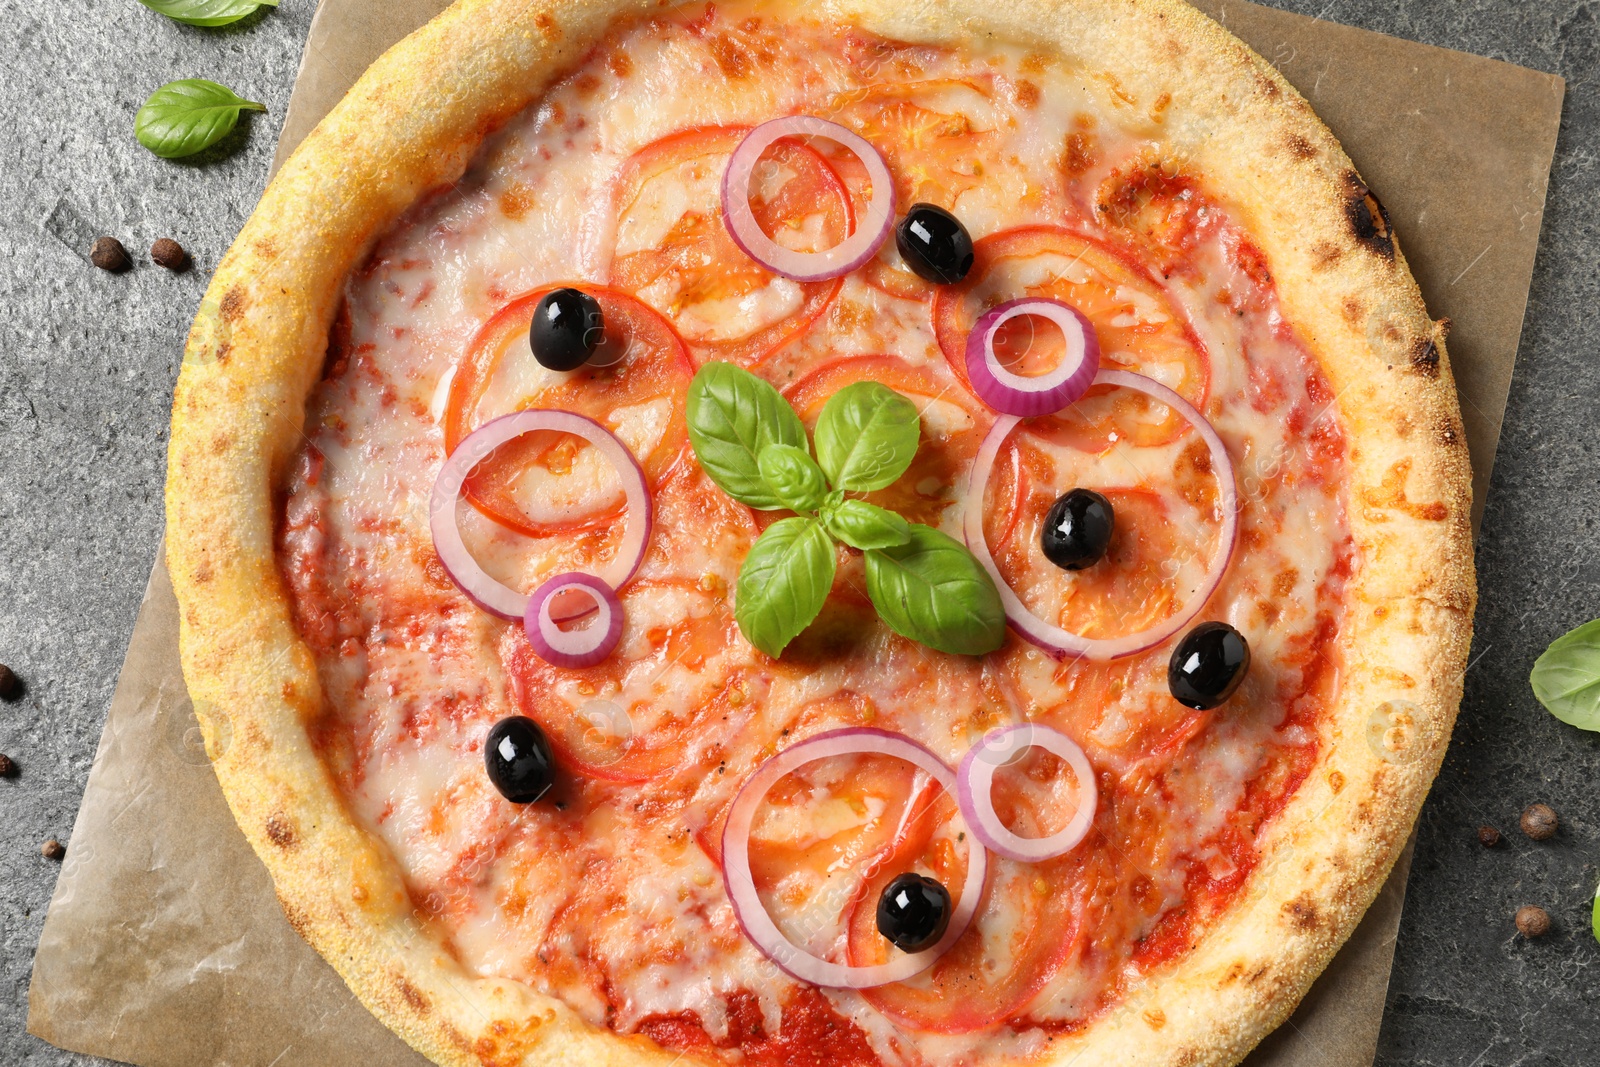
(164, 945)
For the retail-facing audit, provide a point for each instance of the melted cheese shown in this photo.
(611, 898)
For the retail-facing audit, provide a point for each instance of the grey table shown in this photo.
(88, 360)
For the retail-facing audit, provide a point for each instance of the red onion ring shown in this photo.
(573, 648)
(1015, 394)
(975, 784)
(489, 594)
(1053, 639)
(872, 229)
(752, 914)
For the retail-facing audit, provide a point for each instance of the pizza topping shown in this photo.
(751, 910)
(1032, 392)
(518, 758)
(934, 244)
(485, 591)
(1055, 639)
(871, 229)
(567, 329)
(1077, 529)
(975, 791)
(1208, 665)
(574, 620)
(913, 912)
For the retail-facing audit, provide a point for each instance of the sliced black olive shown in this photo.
(567, 328)
(1077, 529)
(934, 244)
(913, 912)
(1208, 665)
(519, 759)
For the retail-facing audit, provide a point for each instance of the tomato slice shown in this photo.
(1029, 924)
(953, 425)
(680, 672)
(932, 134)
(1139, 326)
(551, 483)
(1135, 585)
(673, 250)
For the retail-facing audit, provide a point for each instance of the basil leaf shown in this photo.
(733, 416)
(1566, 678)
(867, 436)
(863, 525)
(932, 590)
(207, 12)
(184, 117)
(793, 476)
(783, 583)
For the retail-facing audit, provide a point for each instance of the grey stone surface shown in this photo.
(87, 362)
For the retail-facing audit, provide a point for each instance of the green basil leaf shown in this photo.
(867, 436)
(932, 590)
(207, 12)
(783, 583)
(184, 117)
(733, 416)
(863, 525)
(793, 476)
(1566, 678)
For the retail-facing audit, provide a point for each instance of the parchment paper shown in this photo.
(164, 945)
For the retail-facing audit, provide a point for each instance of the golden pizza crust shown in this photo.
(257, 349)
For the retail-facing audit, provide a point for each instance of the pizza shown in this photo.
(849, 533)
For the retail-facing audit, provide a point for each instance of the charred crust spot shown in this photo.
(1269, 86)
(266, 248)
(414, 999)
(297, 918)
(1449, 436)
(1256, 975)
(233, 302)
(202, 572)
(1369, 222)
(1336, 780)
(1300, 148)
(547, 26)
(1425, 358)
(1302, 913)
(1354, 310)
(224, 350)
(1233, 973)
(280, 831)
(1326, 254)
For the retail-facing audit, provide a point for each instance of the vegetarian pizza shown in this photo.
(847, 533)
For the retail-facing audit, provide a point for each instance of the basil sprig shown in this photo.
(187, 116)
(208, 12)
(1566, 677)
(925, 584)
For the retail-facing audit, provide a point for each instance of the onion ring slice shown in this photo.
(752, 914)
(489, 594)
(1015, 394)
(975, 783)
(573, 648)
(1053, 639)
(872, 227)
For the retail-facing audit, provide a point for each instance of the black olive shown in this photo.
(913, 912)
(567, 328)
(519, 759)
(934, 244)
(1208, 665)
(1077, 529)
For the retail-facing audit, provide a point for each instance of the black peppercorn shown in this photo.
(1539, 822)
(10, 684)
(8, 768)
(170, 254)
(1533, 921)
(107, 253)
(52, 849)
(1488, 836)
